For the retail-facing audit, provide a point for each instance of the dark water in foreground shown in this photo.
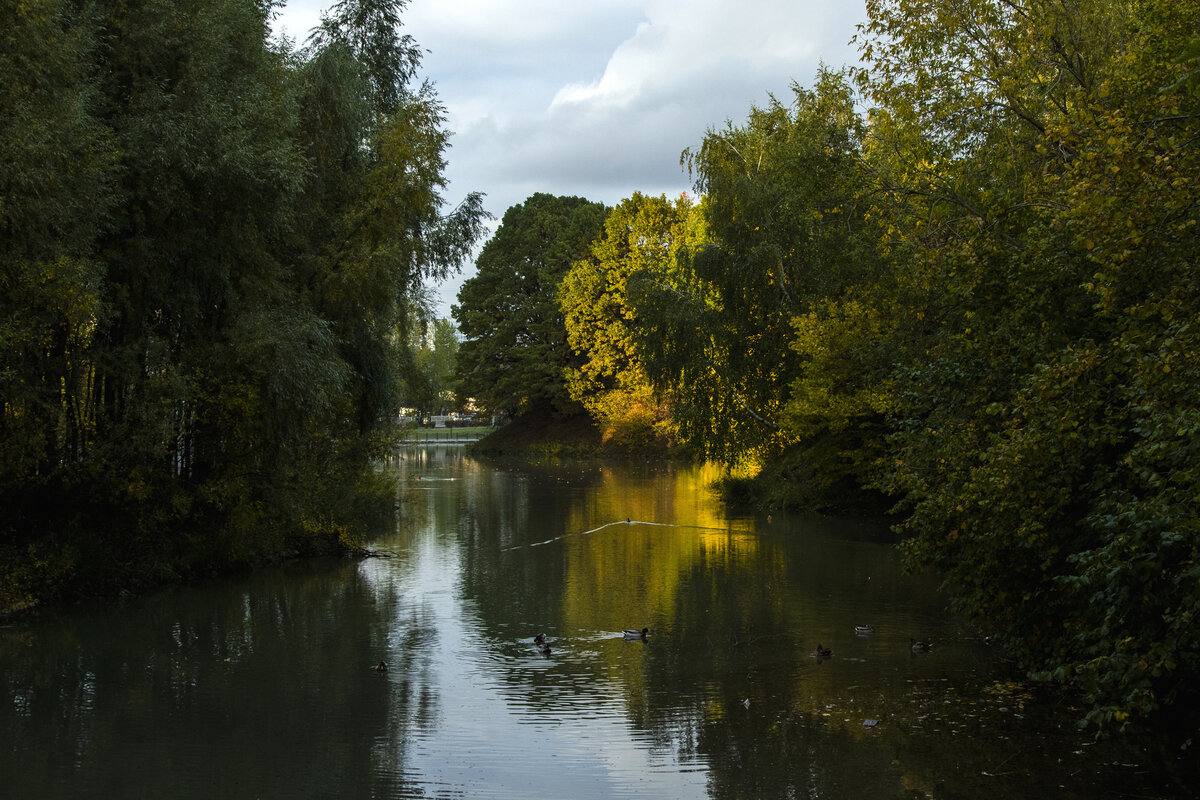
(263, 687)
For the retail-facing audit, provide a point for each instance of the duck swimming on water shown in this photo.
(822, 652)
(381, 667)
(634, 634)
(918, 646)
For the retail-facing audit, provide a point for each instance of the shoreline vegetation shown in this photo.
(798, 480)
(571, 434)
(973, 301)
(214, 246)
(976, 298)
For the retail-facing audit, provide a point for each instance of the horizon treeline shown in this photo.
(213, 249)
(977, 298)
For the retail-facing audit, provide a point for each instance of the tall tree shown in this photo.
(514, 350)
(390, 234)
(56, 194)
(641, 235)
(1040, 158)
(784, 237)
(212, 247)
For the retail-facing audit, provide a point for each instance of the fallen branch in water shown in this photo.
(366, 552)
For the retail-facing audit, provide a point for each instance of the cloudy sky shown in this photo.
(598, 98)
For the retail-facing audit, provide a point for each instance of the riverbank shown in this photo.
(806, 479)
(73, 554)
(801, 479)
(29, 586)
(543, 433)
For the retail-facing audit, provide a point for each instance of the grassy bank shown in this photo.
(445, 434)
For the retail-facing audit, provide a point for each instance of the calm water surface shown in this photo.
(264, 687)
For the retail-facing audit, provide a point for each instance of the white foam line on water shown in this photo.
(581, 533)
(609, 525)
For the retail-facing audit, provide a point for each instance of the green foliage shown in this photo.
(429, 383)
(386, 61)
(56, 174)
(1036, 160)
(641, 236)
(210, 248)
(514, 349)
(786, 235)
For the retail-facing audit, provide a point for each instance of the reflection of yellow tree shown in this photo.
(628, 575)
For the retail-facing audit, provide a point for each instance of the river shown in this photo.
(266, 686)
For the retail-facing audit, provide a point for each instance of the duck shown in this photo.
(544, 648)
(632, 634)
(381, 667)
(822, 652)
(864, 630)
(918, 646)
(539, 639)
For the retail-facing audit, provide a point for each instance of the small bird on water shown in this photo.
(635, 634)
(382, 667)
(822, 652)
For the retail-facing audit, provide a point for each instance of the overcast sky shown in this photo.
(598, 98)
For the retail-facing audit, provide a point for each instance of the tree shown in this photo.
(429, 384)
(389, 234)
(1038, 156)
(641, 235)
(213, 245)
(514, 349)
(787, 235)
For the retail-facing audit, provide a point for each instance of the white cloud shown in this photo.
(599, 99)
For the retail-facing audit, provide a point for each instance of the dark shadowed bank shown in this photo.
(804, 478)
(542, 432)
(101, 552)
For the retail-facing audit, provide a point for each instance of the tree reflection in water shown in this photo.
(265, 685)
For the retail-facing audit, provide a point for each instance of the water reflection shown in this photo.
(227, 690)
(265, 687)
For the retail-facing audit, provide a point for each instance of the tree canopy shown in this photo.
(1038, 161)
(211, 244)
(641, 236)
(785, 235)
(514, 347)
